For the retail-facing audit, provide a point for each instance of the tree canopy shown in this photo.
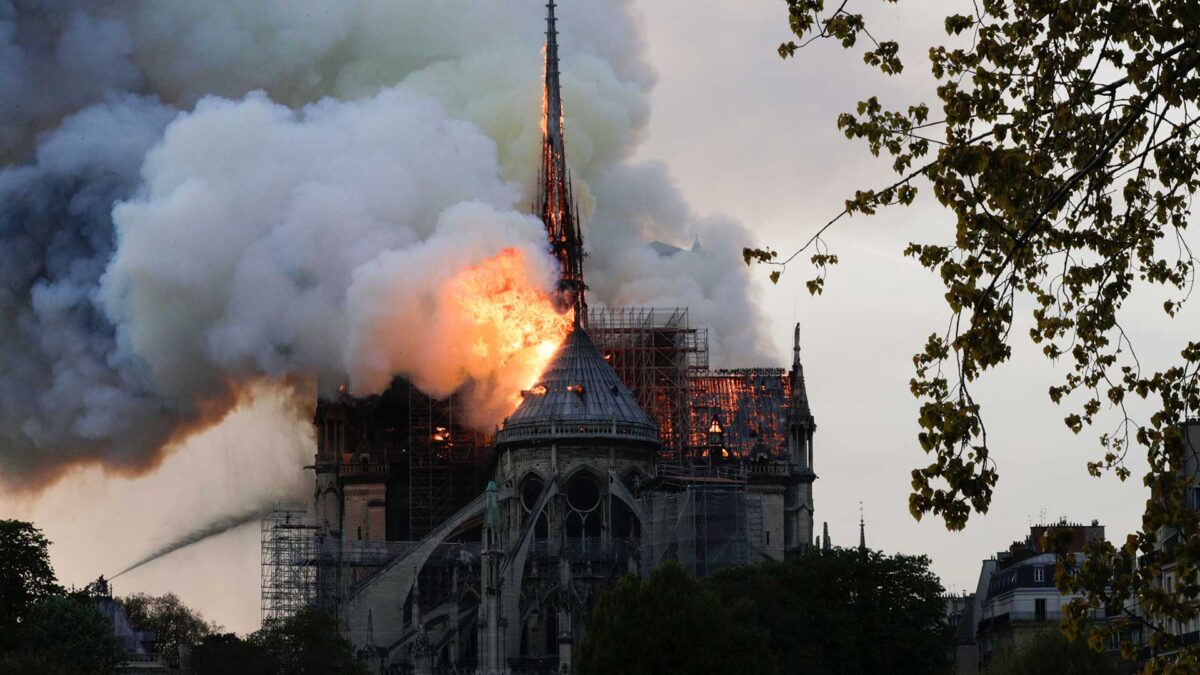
(306, 643)
(1062, 137)
(228, 654)
(25, 574)
(845, 611)
(826, 612)
(68, 635)
(43, 629)
(174, 622)
(1049, 653)
(671, 623)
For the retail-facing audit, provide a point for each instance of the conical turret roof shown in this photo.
(579, 395)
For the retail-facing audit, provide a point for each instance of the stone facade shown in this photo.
(577, 499)
(426, 568)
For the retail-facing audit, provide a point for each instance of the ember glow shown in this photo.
(515, 326)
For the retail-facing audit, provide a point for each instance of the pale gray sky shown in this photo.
(751, 137)
(748, 134)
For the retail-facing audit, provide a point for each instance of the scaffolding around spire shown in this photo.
(555, 203)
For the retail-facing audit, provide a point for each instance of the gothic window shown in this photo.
(584, 518)
(551, 631)
(330, 509)
(716, 441)
(575, 525)
(583, 492)
(531, 491)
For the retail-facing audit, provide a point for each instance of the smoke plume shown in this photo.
(224, 193)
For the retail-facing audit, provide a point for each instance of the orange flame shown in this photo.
(545, 96)
(516, 324)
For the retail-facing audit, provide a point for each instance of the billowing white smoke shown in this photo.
(232, 191)
(268, 241)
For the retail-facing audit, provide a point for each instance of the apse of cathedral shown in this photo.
(441, 548)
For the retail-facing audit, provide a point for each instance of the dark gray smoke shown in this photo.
(67, 390)
(56, 59)
(210, 530)
(198, 196)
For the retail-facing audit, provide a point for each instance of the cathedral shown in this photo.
(440, 548)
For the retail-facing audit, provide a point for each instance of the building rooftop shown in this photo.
(748, 407)
(579, 395)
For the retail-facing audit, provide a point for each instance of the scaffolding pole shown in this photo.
(654, 350)
(447, 461)
(289, 562)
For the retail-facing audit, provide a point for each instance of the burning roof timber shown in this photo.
(579, 395)
(743, 410)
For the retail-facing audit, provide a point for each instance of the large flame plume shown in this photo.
(515, 327)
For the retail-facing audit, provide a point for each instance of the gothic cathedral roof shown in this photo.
(579, 394)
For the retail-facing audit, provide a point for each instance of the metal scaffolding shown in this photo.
(289, 562)
(448, 461)
(653, 351)
(706, 526)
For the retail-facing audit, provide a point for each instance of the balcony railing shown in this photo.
(594, 549)
(363, 469)
(1008, 618)
(567, 428)
(766, 469)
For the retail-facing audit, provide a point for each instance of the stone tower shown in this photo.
(491, 648)
(563, 459)
(798, 498)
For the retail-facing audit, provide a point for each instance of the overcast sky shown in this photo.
(749, 136)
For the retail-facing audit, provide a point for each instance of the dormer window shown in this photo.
(716, 433)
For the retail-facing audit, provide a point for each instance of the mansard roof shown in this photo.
(579, 395)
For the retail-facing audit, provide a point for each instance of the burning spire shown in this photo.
(556, 200)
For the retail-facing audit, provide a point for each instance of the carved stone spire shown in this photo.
(862, 529)
(799, 390)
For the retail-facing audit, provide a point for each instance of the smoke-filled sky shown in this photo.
(217, 202)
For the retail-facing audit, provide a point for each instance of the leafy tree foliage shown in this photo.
(845, 611)
(228, 654)
(670, 624)
(1064, 142)
(42, 628)
(174, 622)
(1049, 653)
(306, 643)
(25, 574)
(64, 635)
